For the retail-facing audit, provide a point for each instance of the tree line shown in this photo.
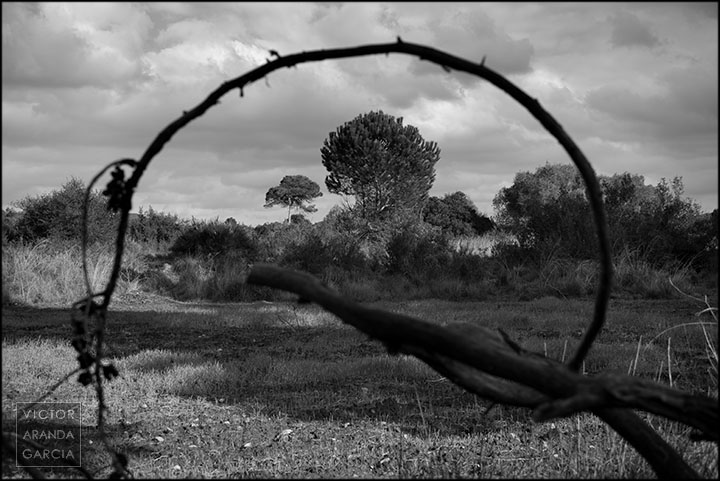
(384, 171)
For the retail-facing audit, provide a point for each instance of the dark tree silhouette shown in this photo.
(294, 192)
(548, 209)
(386, 165)
(457, 215)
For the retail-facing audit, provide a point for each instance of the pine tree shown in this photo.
(385, 165)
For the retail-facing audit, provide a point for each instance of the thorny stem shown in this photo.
(447, 62)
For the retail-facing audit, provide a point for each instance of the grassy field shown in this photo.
(287, 390)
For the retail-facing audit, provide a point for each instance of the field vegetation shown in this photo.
(277, 389)
(219, 378)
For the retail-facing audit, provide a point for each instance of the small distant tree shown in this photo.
(294, 192)
(385, 165)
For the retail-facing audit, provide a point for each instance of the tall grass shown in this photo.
(635, 273)
(44, 273)
(484, 245)
(634, 276)
(710, 336)
(213, 278)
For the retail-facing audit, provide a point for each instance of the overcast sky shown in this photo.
(635, 85)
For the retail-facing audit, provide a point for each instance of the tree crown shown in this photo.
(386, 165)
(294, 192)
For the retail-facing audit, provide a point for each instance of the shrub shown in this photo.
(155, 228)
(214, 238)
(417, 252)
(275, 237)
(315, 254)
(57, 216)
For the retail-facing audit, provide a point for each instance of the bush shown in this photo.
(219, 279)
(57, 216)
(155, 228)
(548, 212)
(274, 238)
(457, 215)
(417, 252)
(10, 219)
(213, 238)
(316, 255)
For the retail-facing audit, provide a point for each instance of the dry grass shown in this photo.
(484, 245)
(43, 274)
(281, 390)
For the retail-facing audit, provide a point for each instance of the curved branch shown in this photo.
(448, 62)
(487, 363)
(480, 360)
(555, 390)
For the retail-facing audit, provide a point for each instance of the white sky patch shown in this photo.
(443, 121)
(185, 65)
(252, 54)
(544, 83)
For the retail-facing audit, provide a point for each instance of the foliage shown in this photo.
(10, 219)
(672, 219)
(155, 227)
(457, 215)
(385, 165)
(548, 212)
(317, 255)
(274, 238)
(299, 219)
(294, 192)
(703, 242)
(212, 238)
(57, 216)
(417, 251)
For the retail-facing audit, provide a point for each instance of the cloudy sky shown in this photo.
(635, 85)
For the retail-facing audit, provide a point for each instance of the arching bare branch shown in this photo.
(479, 360)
